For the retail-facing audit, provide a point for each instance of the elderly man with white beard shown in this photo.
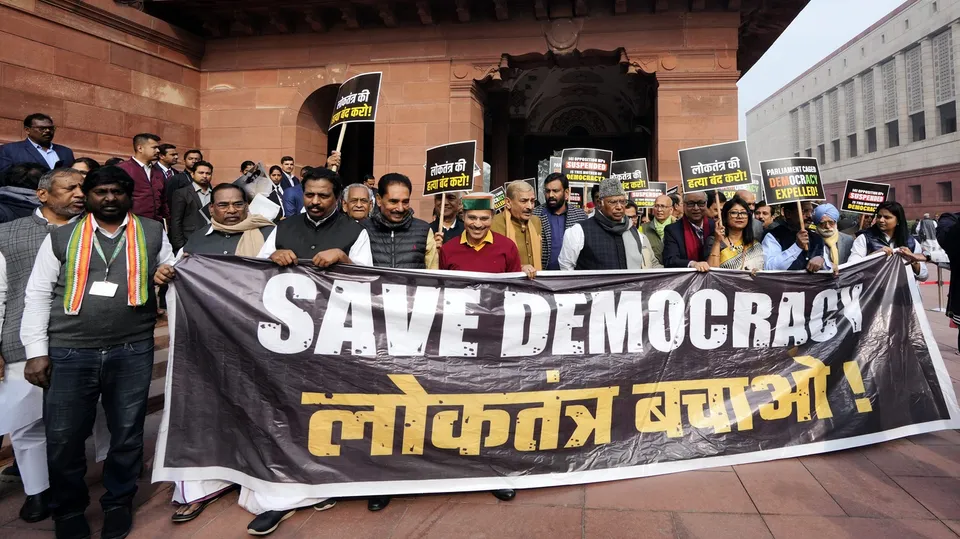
(837, 245)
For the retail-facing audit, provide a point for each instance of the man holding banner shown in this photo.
(687, 243)
(662, 216)
(607, 241)
(837, 245)
(790, 246)
(520, 225)
(556, 217)
(480, 249)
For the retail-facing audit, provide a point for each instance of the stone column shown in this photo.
(879, 121)
(842, 122)
(903, 116)
(930, 116)
(955, 40)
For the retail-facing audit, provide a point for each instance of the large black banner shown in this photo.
(360, 381)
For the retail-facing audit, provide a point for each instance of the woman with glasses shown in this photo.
(735, 247)
(889, 234)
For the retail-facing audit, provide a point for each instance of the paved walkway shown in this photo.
(897, 490)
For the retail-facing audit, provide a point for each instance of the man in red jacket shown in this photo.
(149, 199)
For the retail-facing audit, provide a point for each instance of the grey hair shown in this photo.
(346, 191)
(518, 186)
(46, 181)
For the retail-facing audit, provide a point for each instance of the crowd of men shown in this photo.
(84, 248)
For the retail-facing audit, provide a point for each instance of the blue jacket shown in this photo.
(292, 200)
(23, 151)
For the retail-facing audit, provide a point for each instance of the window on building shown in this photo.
(796, 154)
(822, 154)
(906, 24)
(868, 103)
(871, 140)
(795, 131)
(916, 196)
(948, 118)
(836, 150)
(935, 7)
(852, 142)
(918, 127)
(883, 38)
(945, 191)
(809, 152)
(893, 134)
(833, 200)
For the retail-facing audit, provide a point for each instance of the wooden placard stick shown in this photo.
(343, 131)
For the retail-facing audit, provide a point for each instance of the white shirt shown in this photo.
(775, 258)
(3, 270)
(39, 292)
(50, 156)
(359, 254)
(859, 252)
(167, 172)
(146, 170)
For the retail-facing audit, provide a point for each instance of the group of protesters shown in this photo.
(81, 264)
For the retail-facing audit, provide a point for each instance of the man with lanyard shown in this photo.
(607, 241)
(87, 329)
(232, 231)
(448, 223)
(688, 242)
(662, 216)
(791, 246)
(22, 403)
(556, 217)
(519, 224)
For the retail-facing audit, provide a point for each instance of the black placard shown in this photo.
(586, 165)
(449, 168)
(632, 174)
(577, 194)
(718, 166)
(645, 198)
(357, 100)
(499, 199)
(863, 197)
(792, 179)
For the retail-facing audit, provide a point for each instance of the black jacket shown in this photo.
(675, 247)
(187, 215)
(948, 236)
(397, 245)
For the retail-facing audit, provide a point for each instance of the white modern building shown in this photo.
(881, 108)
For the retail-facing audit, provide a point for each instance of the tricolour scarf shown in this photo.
(252, 239)
(79, 251)
(694, 244)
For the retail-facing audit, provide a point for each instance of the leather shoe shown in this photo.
(72, 527)
(117, 522)
(377, 503)
(505, 494)
(36, 507)
(268, 521)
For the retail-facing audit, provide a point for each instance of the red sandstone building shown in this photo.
(255, 79)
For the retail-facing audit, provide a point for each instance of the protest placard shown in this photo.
(449, 166)
(753, 187)
(577, 193)
(499, 199)
(645, 198)
(632, 173)
(555, 164)
(718, 166)
(863, 197)
(357, 100)
(792, 179)
(586, 165)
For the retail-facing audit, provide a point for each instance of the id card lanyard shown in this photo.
(120, 244)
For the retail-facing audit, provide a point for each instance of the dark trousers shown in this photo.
(121, 375)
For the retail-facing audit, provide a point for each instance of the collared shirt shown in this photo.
(167, 172)
(203, 194)
(3, 269)
(486, 239)
(50, 156)
(359, 254)
(46, 271)
(146, 170)
(859, 252)
(776, 258)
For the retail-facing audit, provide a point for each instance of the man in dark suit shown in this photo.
(38, 146)
(190, 211)
(289, 179)
(182, 179)
(148, 194)
(687, 242)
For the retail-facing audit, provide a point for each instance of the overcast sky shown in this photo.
(821, 28)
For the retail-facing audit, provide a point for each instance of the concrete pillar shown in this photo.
(955, 39)
(878, 116)
(842, 122)
(903, 117)
(929, 88)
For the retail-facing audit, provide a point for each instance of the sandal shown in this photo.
(200, 506)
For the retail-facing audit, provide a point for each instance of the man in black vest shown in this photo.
(322, 233)
(87, 330)
(397, 238)
(790, 246)
(607, 241)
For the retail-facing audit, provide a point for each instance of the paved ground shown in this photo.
(897, 490)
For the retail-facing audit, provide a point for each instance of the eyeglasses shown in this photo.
(827, 223)
(738, 214)
(44, 127)
(227, 205)
(661, 207)
(696, 203)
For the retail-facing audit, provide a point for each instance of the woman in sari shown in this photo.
(735, 247)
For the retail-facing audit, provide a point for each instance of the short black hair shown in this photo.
(389, 179)
(631, 204)
(24, 175)
(113, 161)
(108, 176)
(305, 169)
(227, 185)
(202, 163)
(556, 176)
(141, 138)
(244, 165)
(321, 173)
(369, 176)
(91, 164)
(713, 195)
(165, 147)
(287, 158)
(675, 198)
(761, 204)
(194, 151)
(28, 121)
